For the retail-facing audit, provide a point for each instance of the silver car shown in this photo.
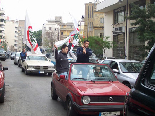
(126, 71)
(16, 58)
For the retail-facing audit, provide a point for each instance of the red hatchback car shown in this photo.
(2, 83)
(90, 89)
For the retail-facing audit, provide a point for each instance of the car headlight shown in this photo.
(86, 100)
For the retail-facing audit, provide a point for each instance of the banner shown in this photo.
(29, 38)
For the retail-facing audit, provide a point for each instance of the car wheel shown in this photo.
(49, 74)
(127, 84)
(2, 95)
(3, 59)
(53, 93)
(14, 63)
(22, 69)
(26, 71)
(70, 109)
(18, 64)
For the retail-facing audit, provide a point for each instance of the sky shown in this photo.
(41, 10)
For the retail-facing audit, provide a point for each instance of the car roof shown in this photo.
(121, 60)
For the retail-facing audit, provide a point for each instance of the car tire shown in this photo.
(14, 63)
(127, 84)
(22, 69)
(25, 71)
(49, 74)
(53, 93)
(18, 64)
(2, 95)
(3, 59)
(70, 109)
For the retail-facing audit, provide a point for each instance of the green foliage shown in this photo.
(38, 36)
(146, 25)
(98, 45)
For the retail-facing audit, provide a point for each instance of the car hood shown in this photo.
(101, 88)
(132, 75)
(38, 63)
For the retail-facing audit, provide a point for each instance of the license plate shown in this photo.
(41, 71)
(109, 113)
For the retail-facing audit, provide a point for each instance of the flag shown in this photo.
(29, 38)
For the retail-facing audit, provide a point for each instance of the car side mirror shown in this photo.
(116, 71)
(5, 68)
(62, 76)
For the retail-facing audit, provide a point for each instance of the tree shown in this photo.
(143, 18)
(38, 36)
(99, 45)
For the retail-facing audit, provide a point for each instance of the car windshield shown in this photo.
(1, 50)
(130, 67)
(36, 58)
(91, 72)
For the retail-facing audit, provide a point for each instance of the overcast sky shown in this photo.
(41, 10)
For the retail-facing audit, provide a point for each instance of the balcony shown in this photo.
(2, 12)
(110, 5)
(2, 28)
(2, 23)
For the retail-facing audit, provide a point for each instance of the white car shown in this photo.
(126, 71)
(16, 58)
(35, 63)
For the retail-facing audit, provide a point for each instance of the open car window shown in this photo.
(91, 72)
(36, 58)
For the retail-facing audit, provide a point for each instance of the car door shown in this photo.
(142, 96)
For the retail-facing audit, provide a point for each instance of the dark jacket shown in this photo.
(83, 58)
(62, 64)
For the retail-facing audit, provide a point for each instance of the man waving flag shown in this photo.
(29, 38)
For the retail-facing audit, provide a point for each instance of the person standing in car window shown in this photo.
(23, 55)
(62, 64)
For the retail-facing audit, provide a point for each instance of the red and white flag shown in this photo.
(29, 38)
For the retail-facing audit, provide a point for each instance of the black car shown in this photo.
(141, 99)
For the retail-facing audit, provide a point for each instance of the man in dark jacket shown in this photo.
(83, 53)
(62, 64)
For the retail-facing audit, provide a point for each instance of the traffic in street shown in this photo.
(28, 95)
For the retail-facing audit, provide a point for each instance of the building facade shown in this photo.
(50, 34)
(94, 21)
(2, 26)
(119, 29)
(11, 34)
(21, 26)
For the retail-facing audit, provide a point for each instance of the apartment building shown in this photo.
(119, 29)
(50, 34)
(21, 25)
(94, 21)
(2, 26)
(11, 34)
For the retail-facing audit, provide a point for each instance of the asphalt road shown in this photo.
(28, 95)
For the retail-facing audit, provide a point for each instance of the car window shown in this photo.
(36, 58)
(91, 72)
(17, 54)
(130, 67)
(152, 79)
(106, 61)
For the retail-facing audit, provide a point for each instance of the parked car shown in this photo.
(12, 55)
(16, 58)
(90, 89)
(93, 59)
(37, 63)
(126, 71)
(2, 83)
(2, 54)
(141, 99)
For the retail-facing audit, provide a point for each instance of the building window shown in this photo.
(61, 33)
(49, 28)
(119, 15)
(101, 35)
(101, 20)
(152, 1)
(92, 11)
(88, 11)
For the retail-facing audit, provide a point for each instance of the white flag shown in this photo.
(29, 39)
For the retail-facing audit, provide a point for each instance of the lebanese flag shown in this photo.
(29, 39)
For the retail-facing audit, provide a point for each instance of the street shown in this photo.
(28, 95)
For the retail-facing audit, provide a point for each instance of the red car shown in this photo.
(90, 89)
(2, 83)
